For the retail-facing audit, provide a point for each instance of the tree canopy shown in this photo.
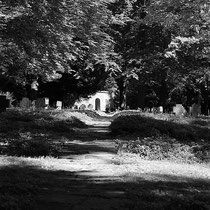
(44, 36)
(146, 48)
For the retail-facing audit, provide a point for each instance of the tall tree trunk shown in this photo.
(121, 88)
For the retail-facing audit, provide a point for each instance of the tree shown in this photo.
(137, 43)
(145, 40)
(44, 36)
(52, 35)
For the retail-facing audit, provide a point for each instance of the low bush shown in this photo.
(31, 148)
(164, 148)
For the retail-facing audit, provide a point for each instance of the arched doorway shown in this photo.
(97, 104)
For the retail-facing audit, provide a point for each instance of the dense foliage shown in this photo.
(151, 52)
(47, 38)
(163, 52)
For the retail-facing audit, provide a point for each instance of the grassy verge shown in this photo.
(159, 137)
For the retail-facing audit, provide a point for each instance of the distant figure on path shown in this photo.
(34, 91)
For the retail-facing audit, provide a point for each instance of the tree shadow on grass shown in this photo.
(29, 187)
(141, 126)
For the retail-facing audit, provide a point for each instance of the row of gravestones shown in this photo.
(179, 110)
(40, 103)
(194, 110)
(43, 103)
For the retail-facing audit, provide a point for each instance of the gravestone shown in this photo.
(25, 103)
(82, 107)
(39, 103)
(90, 106)
(179, 110)
(160, 109)
(47, 101)
(195, 110)
(59, 105)
(3, 103)
(42, 103)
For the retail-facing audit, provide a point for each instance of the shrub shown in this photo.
(15, 115)
(163, 148)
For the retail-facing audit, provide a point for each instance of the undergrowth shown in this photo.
(163, 137)
(165, 148)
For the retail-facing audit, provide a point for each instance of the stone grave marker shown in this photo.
(47, 101)
(59, 105)
(195, 110)
(160, 109)
(25, 103)
(90, 106)
(82, 107)
(179, 110)
(42, 103)
(39, 103)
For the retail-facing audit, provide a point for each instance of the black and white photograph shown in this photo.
(104, 104)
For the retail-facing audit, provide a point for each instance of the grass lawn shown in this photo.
(158, 171)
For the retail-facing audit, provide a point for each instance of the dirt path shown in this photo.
(93, 182)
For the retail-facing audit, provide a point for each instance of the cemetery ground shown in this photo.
(76, 160)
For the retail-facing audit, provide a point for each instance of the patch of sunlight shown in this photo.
(166, 170)
(101, 165)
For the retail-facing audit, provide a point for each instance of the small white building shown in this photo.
(99, 101)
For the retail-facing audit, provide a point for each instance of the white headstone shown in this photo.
(46, 103)
(179, 110)
(46, 100)
(59, 105)
(160, 109)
